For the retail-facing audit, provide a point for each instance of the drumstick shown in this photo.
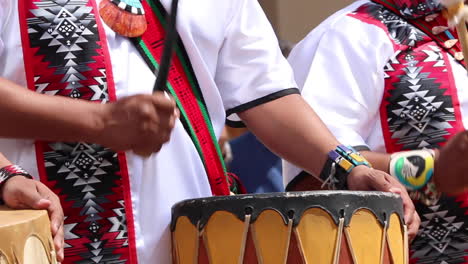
(455, 10)
(171, 35)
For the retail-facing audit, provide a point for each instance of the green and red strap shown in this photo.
(183, 86)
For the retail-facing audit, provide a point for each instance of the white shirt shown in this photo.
(236, 58)
(339, 67)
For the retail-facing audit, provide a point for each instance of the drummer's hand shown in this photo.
(144, 123)
(366, 179)
(22, 193)
(449, 160)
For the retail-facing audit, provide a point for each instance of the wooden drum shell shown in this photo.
(25, 237)
(305, 227)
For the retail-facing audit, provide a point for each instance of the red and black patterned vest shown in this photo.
(420, 109)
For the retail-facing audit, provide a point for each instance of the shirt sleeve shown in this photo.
(340, 72)
(251, 68)
(344, 79)
(2, 18)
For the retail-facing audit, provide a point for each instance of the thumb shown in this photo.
(33, 199)
(42, 204)
(408, 206)
(395, 190)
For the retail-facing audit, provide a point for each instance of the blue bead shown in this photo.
(133, 3)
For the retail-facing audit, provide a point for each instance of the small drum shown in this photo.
(323, 227)
(25, 237)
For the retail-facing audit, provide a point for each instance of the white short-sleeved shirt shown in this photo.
(339, 68)
(236, 58)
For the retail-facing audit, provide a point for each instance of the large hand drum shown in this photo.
(323, 227)
(25, 237)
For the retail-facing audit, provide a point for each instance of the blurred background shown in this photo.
(293, 19)
(256, 166)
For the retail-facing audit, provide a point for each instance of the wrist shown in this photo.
(96, 126)
(8, 172)
(436, 177)
(339, 165)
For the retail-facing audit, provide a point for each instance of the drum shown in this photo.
(322, 227)
(25, 237)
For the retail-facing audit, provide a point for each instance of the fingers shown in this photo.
(450, 177)
(23, 193)
(144, 123)
(56, 218)
(413, 227)
(408, 207)
(166, 110)
(411, 217)
(163, 102)
(158, 125)
(381, 181)
(59, 244)
(54, 209)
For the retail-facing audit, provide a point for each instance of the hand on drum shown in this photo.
(364, 178)
(144, 123)
(451, 161)
(22, 193)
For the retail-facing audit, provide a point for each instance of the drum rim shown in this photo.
(381, 204)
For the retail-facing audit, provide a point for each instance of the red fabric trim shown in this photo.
(128, 207)
(35, 66)
(362, 16)
(445, 79)
(121, 155)
(426, 27)
(41, 164)
(153, 38)
(383, 119)
(106, 55)
(452, 90)
(27, 52)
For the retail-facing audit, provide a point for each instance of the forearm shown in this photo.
(290, 128)
(381, 161)
(26, 114)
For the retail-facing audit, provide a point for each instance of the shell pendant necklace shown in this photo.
(125, 17)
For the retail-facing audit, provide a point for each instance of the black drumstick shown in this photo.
(171, 35)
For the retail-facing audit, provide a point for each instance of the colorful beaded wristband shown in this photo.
(339, 164)
(415, 170)
(10, 171)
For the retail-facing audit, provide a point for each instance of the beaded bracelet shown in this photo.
(10, 171)
(339, 164)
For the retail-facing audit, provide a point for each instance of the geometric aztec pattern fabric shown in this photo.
(417, 8)
(66, 56)
(87, 179)
(442, 237)
(65, 39)
(418, 111)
